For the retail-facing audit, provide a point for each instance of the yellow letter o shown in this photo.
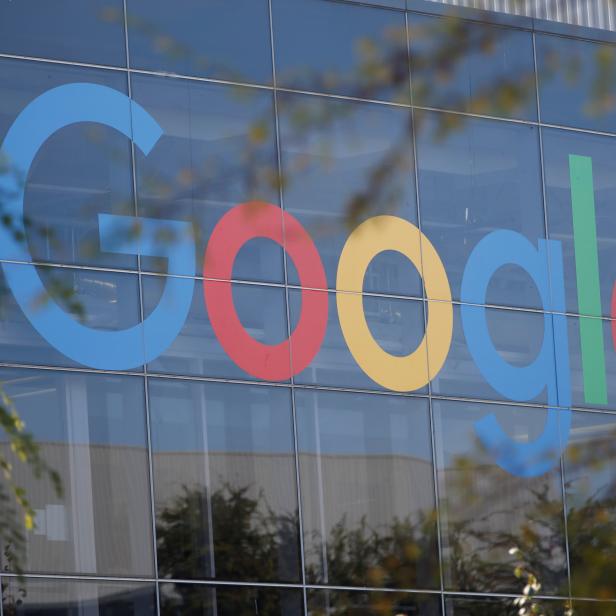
(370, 238)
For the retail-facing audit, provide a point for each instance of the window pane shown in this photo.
(367, 485)
(100, 300)
(197, 600)
(396, 4)
(468, 66)
(462, 606)
(485, 511)
(197, 350)
(470, 185)
(217, 39)
(594, 608)
(593, 374)
(91, 31)
(344, 162)
(225, 488)
(30, 597)
(217, 150)
(357, 603)
(590, 479)
(81, 171)
(558, 146)
(334, 48)
(91, 430)
(397, 325)
(516, 335)
(576, 82)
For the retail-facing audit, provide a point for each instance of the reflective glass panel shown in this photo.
(576, 82)
(81, 171)
(224, 476)
(396, 4)
(38, 597)
(590, 484)
(358, 603)
(469, 66)
(212, 38)
(197, 350)
(217, 151)
(485, 511)
(516, 335)
(593, 373)
(197, 600)
(367, 484)
(338, 48)
(342, 163)
(91, 31)
(91, 430)
(101, 300)
(397, 325)
(470, 185)
(594, 608)
(467, 606)
(595, 186)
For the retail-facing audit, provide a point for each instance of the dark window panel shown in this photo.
(359, 603)
(590, 483)
(217, 151)
(91, 430)
(577, 82)
(470, 185)
(517, 336)
(212, 38)
(338, 48)
(396, 324)
(558, 145)
(344, 162)
(367, 483)
(473, 67)
(54, 597)
(196, 351)
(81, 171)
(197, 600)
(485, 511)
(224, 476)
(91, 32)
(101, 300)
(506, 606)
(594, 608)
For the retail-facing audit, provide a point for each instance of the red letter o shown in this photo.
(241, 224)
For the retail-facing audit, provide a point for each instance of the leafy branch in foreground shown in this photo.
(26, 451)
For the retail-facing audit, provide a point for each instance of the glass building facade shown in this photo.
(283, 475)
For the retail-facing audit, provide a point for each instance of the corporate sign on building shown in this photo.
(589, 13)
(132, 347)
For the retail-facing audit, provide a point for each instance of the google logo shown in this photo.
(129, 348)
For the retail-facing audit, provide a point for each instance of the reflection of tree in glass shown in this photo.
(372, 603)
(479, 555)
(249, 540)
(479, 546)
(591, 516)
(479, 549)
(198, 600)
(386, 557)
